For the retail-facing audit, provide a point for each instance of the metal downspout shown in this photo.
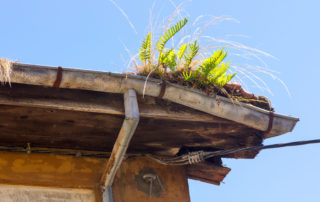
(120, 147)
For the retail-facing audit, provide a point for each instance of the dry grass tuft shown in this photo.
(5, 70)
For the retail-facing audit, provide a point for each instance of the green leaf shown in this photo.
(169, 59)
(182, 51)
(170, 33)
(145, 50)
(172, 61)
(191, 53)
(188, 76)
(214, 70)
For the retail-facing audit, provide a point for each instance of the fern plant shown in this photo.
(182, 50)
(189, 76)
(167, 36)
(212, 70)
(215, 70)
(191, 53)
(170, 33)
(169, 59)
(145, 50)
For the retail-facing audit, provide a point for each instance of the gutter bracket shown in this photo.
(163, 88)
(57, 82)
(121, 145)
(270, 123)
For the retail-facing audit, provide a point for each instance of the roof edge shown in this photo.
(249, 115)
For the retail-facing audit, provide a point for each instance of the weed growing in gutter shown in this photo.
(181, 65)
(191, 65)
(252, 72)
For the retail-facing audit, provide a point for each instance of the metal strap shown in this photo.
(56, 84)
(270, 124)
(163, 89)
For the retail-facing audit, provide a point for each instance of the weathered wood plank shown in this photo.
(97, 102)
(91, 120)
(97, 132)
(208, 173)
(118, 83)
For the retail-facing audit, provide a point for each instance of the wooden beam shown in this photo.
(207, 172)
(245, 114)
(97, 102)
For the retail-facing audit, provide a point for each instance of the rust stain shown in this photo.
(107, 169)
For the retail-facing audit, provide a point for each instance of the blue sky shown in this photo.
(93, 34)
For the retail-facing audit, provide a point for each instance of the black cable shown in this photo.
(197, 157)
(189, 158)
(273, 146)
(57, 152)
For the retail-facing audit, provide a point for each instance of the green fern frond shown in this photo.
(172, 61)
(182, 51)
(191, 53)
(145, 50)
(164, 55)
(170, 33)
(223, 80)
(210, 63)
(188, 76)
(169, 59)
(215, 70)
(229, 77)
(212, 70)
(219, 71)
(219, 56)
(207, 65)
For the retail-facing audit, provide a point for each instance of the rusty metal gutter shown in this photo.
(248, 115)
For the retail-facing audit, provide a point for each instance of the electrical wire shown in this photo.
(199, 156)
(185, 159)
